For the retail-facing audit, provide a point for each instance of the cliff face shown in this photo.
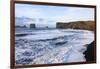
(85, 25)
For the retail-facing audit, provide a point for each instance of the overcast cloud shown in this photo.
(53, 14)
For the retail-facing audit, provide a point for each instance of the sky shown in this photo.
(48, 15)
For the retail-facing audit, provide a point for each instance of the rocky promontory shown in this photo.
(84, 25)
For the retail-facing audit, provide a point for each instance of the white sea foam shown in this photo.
(52, 46)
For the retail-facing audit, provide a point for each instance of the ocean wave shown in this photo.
(59, 46)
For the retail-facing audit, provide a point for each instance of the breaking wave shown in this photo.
(51, 46)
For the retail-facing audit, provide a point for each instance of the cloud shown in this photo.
(53, 13)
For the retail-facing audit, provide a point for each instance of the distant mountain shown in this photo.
(86, 25)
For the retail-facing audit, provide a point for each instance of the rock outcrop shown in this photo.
(90, 54)
(32, 25)
(85, 25)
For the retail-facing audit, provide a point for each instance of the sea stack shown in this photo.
(32, 25)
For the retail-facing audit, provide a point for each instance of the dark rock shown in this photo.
(90, 52)
(32, 25)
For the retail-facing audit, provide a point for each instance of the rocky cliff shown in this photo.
(85, 25)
